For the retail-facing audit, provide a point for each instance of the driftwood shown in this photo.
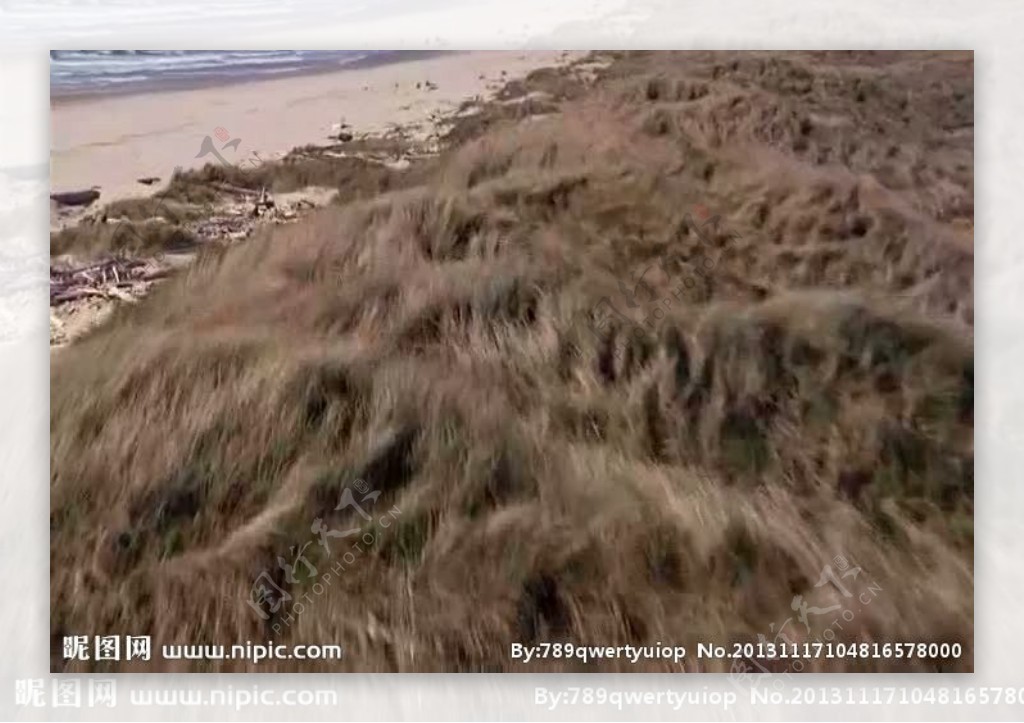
(74, 294)
(126, 278)
(234, 190)
(104, 279)
(76, 198)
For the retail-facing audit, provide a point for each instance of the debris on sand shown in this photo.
(82, 294)
(107, 278)
(76, 198)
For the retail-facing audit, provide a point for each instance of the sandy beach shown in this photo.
(111, 141)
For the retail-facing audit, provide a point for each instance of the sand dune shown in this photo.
(668, 349)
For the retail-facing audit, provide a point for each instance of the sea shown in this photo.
(87, 72)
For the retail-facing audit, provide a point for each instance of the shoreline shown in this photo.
(110, 141)
(228, 79)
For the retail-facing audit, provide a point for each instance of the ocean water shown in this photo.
(76, 72)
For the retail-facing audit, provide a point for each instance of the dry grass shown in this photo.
(794, 385)
(128, 237)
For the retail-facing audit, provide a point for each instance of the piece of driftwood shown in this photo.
(234, 190)
(75, 198)
(73, 294)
